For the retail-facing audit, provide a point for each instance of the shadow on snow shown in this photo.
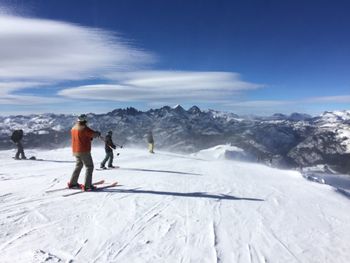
(157, 171)
(193, 194)
(52, 161)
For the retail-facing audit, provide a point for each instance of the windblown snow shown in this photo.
(168, 208)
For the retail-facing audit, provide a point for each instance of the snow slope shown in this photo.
(168, 208)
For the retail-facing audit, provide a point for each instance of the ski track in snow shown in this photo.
(163, 211)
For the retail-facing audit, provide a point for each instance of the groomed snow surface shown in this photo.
(168, 208)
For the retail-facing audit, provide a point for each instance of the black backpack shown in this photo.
(17, 135)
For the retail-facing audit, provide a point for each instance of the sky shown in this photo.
(248, 57)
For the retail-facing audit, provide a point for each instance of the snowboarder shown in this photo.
(16, 137)
(150, 141)
(82, 136)
(109, 146)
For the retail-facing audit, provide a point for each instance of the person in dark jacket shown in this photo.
(109, 146)
(16, 137)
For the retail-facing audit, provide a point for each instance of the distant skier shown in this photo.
(82, 136)
(150, 141)
(109, 146)
(16, 137)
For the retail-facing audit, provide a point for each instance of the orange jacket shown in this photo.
(81, 138)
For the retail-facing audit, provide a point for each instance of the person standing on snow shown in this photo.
(16, 137)
(82, 136)
(150, 141)
(109, 146)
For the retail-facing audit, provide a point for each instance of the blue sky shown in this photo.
(248, 57)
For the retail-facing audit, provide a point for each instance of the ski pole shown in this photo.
(121, 146)
(107, 144)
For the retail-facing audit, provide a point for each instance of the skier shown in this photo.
(109, 146)
(150, 141)
(16, 137)
(82, 136)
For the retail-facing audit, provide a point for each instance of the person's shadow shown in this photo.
(50, 161)
(191, 194)
(157, 171)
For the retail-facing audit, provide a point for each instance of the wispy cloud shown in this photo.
(275, 103)
(39, 53)
(165, 86)
(261, 103)
(330, 99)
(37, 48)
(267, 107)
(8, 97)
(184, 80)
(9, 86)
(34, 52)
(29, 100)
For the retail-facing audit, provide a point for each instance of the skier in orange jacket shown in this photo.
(82, 136)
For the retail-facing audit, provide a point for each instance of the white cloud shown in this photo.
(28, 100)
(9, 86)
(7, 96)
(276, 103)
(314, 105)
(98, 92)
(330, 99)
(39, 53)
(37, 48)
(165, 86)
(261, 103)
(35, 52)
(185, 80)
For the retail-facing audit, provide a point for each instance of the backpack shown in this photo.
(17, 135)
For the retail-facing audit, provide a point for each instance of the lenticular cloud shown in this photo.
(44, 49)
(166, 86)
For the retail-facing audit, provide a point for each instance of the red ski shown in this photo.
(64, 188)
(99, 188)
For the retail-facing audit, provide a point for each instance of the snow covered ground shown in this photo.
(168, 208)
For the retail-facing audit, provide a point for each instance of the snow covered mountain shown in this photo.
(168, 208)
(297, 140)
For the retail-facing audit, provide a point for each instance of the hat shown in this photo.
(82, 118)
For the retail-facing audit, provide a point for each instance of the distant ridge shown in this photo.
(294, 140)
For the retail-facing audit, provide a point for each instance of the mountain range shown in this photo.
(293, 141)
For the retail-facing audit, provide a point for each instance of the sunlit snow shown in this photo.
(168, 208)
